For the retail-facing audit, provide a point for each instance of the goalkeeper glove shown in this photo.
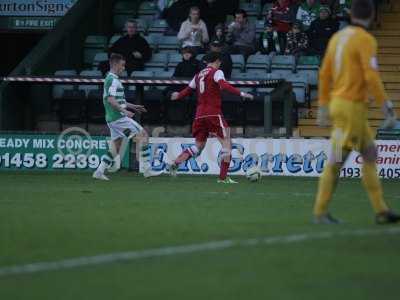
(390, 116)
(323, 116)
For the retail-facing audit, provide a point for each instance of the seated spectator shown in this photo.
(321, 30)
(297, 41)
(219, 34)
(241, 35)
(269, 41)
(193, 32)
(133, 47)
(189, 66)
(214, 12)
(281, 19)
(307, 13)
(226, 60)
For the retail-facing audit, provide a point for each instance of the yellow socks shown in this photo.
(326, 187)
(373, 187)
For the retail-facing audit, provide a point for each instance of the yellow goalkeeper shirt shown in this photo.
(350, 68)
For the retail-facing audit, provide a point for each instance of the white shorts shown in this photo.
(124, 127)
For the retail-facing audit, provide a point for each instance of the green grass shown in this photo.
(52, 216)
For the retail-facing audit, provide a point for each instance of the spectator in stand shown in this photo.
(193, 32)
(344, 12)
(307, 13)
(281, 20)
(321, 30)
(187, 68)
(219, 35)
(297, 41)
(333, 5)
(133, 47)
(269, 41)
(226, 60)
(214, 12)
(241, 35)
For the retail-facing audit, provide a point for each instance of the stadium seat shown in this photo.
(95, 107)
(259, 26)
(158, 61)
(283, 63)
(165, 74)
(113, 39)
(308, 66)
(158, 26)
(300, 86)
(169, 43)
(122, 11)
(148, 9)
(98, 58)
(58, 89)
(173, 60)
(89, 87)
(72, 108)
(258, 62)
(253, 9)
(237, 62)
(153, 40)
(267, 7)
(148, 74)
(93, 44)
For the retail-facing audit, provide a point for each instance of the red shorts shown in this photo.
(205, 126)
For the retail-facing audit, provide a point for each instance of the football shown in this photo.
(253, 174)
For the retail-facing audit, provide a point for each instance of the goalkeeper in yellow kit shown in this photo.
(349, 74)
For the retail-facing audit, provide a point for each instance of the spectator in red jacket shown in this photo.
(281, 19)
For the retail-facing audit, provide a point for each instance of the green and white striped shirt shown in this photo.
(113, 88)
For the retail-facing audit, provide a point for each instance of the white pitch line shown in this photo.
(185, 249)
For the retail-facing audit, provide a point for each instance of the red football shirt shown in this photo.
(208, 92)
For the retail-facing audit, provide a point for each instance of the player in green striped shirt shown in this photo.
(119, 115)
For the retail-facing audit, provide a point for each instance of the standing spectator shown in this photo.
(344, 12)
(226, 60)
(307, 13)
(241, 35)
(133, 47)
(321, 30)
(333, 5)
(193, 32)
(269, 41)
(281, 19)
(297, 41)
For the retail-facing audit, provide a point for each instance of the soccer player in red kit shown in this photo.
(209, 120)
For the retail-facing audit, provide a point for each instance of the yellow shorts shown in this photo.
(350, 128)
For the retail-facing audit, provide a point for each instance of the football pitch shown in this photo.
(190, 238)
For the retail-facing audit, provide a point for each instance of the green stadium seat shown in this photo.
(174, 60)
(148, 74)
(93, 44)
(238, 62)
(153, 40)
(158, 26)
(158, 60)
(58, 89)
(165, 74)
(170, 43)
(148, 8)
(283, 63)
(308, 66)
(98, 58)
(122, 11)
(113, 39)
(260, 25)
(259, 62)
(253, 9)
